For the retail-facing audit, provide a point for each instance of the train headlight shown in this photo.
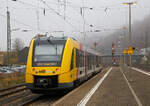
(57, 69)
(33, 69)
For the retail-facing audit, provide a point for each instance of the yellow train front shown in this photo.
(56, 63)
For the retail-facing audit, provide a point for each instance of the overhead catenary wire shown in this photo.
(25, 3)
(103, 8)
(36, 7)
(99, 8)
(112, 6)
(69, 4)
(76, 11)
(15, 20)
(49, 9)
(57, 13)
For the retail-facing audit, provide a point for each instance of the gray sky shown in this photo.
(105, 15)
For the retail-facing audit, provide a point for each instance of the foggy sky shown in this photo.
(105, 15)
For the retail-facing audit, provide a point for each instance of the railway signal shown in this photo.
(130, 50)
(95, 44)
(113, 50)
(125, 51)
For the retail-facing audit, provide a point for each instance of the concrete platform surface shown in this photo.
(119, 86)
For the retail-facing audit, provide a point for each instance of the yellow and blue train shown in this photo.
(56, 63)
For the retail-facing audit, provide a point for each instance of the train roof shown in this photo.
(50, 37)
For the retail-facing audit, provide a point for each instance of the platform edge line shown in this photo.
(91, 92)
(139, 70)
(54, 104)
(131, 89)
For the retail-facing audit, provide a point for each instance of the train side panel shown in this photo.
(69, 62)
(29, 76)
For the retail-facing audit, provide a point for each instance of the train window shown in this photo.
(46, 54)
(81, 59)
(72, 60)
(97, 63)
(77, 58)
(88, 61)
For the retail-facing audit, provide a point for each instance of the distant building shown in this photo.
(3, 58)
(145, 51)
(23, 54)
(14, 59)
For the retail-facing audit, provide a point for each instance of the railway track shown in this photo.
(11, 90)
(12, 96)
(20, 96)
(46, 100)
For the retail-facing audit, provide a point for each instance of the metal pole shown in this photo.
(130, 32)
(146, 45)
(113, 53)
(146, 42)
(130, 38)
(8, 37)
(130, 60)
(124, 59)
(84, 33)
(83, 16)
(38, 18)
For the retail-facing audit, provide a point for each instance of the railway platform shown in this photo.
(114, 86)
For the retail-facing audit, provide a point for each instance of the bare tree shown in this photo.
(18, 45)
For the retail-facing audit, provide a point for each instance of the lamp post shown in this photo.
(8, 35)
(130, 30)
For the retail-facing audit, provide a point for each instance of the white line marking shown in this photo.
(60, 100)
(136, 69)
(133, 93)
(91, 92)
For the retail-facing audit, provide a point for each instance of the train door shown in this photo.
(73, 67)
(77, 61)
(80, 64)
(85, 65)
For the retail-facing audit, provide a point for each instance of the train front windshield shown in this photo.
(48, 54)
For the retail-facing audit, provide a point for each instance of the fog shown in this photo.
(101, 20)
